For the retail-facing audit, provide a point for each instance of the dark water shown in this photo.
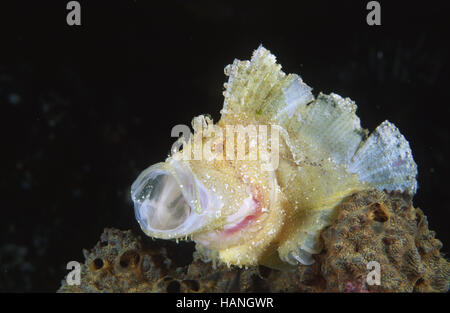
(85, 109)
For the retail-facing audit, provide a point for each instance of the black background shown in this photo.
(85, 108)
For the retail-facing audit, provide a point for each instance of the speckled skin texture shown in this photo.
(371, 226)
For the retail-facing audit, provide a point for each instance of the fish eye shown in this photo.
(162, 206)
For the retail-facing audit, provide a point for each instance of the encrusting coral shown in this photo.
(374, 226)
(370, 226)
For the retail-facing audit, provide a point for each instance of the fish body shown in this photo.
(260, 185)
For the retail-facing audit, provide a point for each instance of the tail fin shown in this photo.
(385, 160)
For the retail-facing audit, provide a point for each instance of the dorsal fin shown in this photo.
(257, 90)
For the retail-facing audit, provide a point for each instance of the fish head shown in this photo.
(219, 204)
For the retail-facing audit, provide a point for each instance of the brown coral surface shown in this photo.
(371, 226)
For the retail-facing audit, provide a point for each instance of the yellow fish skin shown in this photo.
(259, 186)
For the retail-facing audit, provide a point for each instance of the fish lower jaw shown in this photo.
(232, 233)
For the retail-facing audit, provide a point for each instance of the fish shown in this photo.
(259, 186)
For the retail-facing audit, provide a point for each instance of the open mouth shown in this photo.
(164, 206)
(169, 202)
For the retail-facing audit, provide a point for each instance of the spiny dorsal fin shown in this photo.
(257, 90)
